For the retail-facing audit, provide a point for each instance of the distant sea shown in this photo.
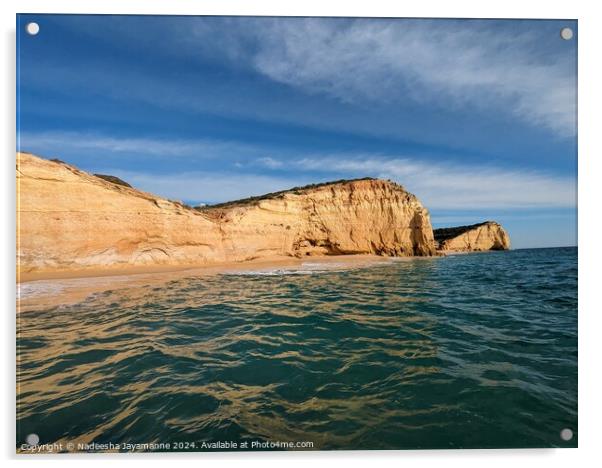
(467, 351)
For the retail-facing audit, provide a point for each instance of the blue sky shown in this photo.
(477, 118)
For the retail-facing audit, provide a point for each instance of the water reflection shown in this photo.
(406, 354)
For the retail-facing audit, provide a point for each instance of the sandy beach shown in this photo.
(50, 289)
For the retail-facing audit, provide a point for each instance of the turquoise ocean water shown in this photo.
(473, 351)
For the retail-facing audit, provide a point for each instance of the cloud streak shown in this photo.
(54, 141)
(445, 63)
(207, 187)
(441, 185)
(438, 186)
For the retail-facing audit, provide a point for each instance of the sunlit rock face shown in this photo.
(69, 219)
(474, 238)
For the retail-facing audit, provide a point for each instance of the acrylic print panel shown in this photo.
(247, 233)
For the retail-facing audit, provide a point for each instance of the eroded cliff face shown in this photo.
(475, 238)
(68, 219)
(71, 220)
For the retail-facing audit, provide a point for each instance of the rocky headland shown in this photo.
(473, 238)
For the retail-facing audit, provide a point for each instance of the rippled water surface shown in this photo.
(472, 350)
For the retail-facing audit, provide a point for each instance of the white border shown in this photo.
(590, 155)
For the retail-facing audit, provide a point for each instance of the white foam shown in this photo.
(44, 288)
(38, 288)
(305, 268)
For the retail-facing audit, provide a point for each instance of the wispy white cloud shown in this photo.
(58, 141)
(206, 187)
(201, 186)
(271, 163)
(441, 63)
(441, 185)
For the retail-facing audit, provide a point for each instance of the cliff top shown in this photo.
(295, 190)
(443, 234)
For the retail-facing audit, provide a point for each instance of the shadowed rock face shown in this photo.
(476, 237)
(113, 179)
(69, 219)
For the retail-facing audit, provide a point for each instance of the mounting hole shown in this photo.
(32, 439)
(566, 434)
(566, 34)
(32, 28)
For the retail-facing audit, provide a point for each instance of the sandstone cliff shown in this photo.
(71, 220)
(477, 237)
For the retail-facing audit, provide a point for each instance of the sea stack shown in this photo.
(72, 220)
(488, 235)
